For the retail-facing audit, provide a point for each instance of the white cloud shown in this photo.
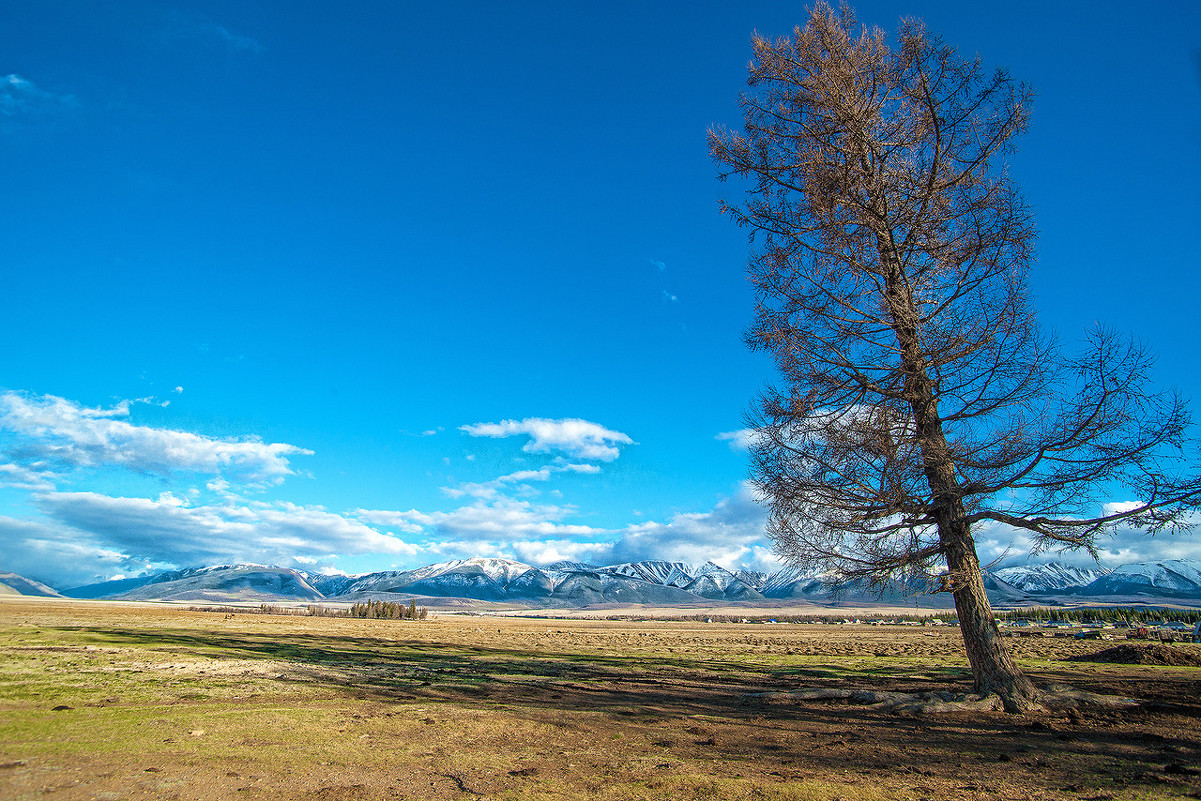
(491, 519)
(731, 534)
(61, 558)
(492, 489)
(410, 522)
(579, 439)
(741, 440)
(18, 477)
(168, 530)
(46, 435)
(1004, 545)
(670, 298)
(545, 552)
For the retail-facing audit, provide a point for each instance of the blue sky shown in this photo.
(371, 285)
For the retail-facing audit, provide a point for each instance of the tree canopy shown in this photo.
(919, 398)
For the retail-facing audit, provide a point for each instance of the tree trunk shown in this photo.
(993, 667)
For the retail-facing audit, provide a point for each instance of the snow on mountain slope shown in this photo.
(649, 582)
(499, 570)
(722, 584)
(670, 574)
(793, 582)
(752, 578)
(1176, 578)
(1051, 577)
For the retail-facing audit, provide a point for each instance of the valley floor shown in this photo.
(118, 701)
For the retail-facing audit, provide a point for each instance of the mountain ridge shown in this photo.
(498, 580)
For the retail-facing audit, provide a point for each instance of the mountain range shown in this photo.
(573, 584)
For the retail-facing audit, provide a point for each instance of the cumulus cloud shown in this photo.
(579, 439)
(46, 435)
(731, 534)
(168, 530)
(545, 552)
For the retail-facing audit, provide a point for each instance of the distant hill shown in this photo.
(572, 584)
(12, 584)
(256, 583)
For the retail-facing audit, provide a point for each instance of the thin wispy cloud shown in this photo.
(208, 32)
(491, 489)
(741, 440)
(21, 100)
(236, 42)
(497, 520)
(578, 439)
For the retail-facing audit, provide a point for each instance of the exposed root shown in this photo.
(1053, 698)
(917, 703)
(1061, 697)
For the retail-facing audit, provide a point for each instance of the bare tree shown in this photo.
(919, 399)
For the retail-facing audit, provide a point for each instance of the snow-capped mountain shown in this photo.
(508, 580)
(1050, 577)
(650, 582)
(481, 578)
(1173, 578)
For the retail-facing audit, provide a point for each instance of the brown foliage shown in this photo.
(918, 397)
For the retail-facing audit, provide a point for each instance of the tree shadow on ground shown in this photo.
(709, 709)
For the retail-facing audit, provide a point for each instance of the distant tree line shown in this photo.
(1035, 614)
(386, 610)
(1106, 614)
(373, 610)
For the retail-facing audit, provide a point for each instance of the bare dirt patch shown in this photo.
(1147, 654)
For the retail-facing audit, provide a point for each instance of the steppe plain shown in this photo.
(102, 700)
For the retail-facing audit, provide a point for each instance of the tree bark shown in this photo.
(993, 667)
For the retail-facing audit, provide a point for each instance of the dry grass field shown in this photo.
(110, 701)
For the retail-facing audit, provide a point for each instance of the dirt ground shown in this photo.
(117, 701)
